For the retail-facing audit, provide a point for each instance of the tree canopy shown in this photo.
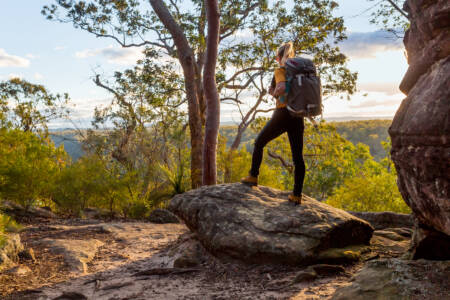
(249, 33)
(29, 106)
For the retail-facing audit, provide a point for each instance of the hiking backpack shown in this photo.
(303, 88)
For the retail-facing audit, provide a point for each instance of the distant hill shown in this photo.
(70, 140)
(369, 132)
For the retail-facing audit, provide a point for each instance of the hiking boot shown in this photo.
(250, 180)
(295, 199)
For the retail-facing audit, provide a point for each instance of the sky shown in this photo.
(64, 59)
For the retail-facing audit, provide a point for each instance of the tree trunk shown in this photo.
(211, 94)
(187, 61)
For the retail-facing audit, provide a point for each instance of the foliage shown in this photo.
(7, 224)
(244, 64)
(240, 163)
(140, 158)
(390, 16)
(329, 159)
(29, 166)
(374, 188)
(28, 106)
(342, 174)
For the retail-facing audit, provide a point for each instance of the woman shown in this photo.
(281, 122)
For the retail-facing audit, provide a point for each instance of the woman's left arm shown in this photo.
(280, 89)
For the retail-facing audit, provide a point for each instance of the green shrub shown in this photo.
(29, 165)
(374, 189)
(7, 224)
(138, 210)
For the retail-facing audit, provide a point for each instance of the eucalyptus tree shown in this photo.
(211, 94)
(143, 114)
(176, 28)
(30, 107)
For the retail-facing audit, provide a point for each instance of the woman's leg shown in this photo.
(274, 128)
(295, 134)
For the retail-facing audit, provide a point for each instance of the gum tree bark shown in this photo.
(186, 57)
(211, 94)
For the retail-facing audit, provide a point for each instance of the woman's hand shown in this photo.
(280, 89)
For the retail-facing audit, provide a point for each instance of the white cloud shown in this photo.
(84, 107)
(363, 104)
(38, 76)
(8, 60)
(114, 55)
(389, 88)
(367, 44)
(31, 56)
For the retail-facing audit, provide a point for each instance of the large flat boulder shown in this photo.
(259, 225)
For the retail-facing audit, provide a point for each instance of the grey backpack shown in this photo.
(304, 90)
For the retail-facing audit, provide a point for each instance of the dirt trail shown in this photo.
(129, 248)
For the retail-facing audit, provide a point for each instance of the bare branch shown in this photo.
(398, 8)
(235, 75)
(235, 99)
(287, 165)
(232, 29)
(245, 85)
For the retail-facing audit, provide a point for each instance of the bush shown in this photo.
(138, 210)
(93, 182)
(29, 166)
(7, 224)
(375, 189)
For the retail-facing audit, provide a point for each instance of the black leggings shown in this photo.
(280, 123)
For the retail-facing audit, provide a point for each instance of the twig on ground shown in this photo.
(116, 286)
(165, 271)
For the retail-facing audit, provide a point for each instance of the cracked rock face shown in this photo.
(259, 225)
(420, 131)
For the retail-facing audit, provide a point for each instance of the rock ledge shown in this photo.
(259, 225)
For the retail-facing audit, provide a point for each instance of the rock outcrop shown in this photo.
(420, 131)
(259, 225)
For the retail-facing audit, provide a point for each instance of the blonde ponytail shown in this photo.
(285, 52)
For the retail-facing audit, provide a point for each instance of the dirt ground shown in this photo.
(124, 268)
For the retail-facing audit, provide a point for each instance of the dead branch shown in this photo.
(165, 271)
(288, 166)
